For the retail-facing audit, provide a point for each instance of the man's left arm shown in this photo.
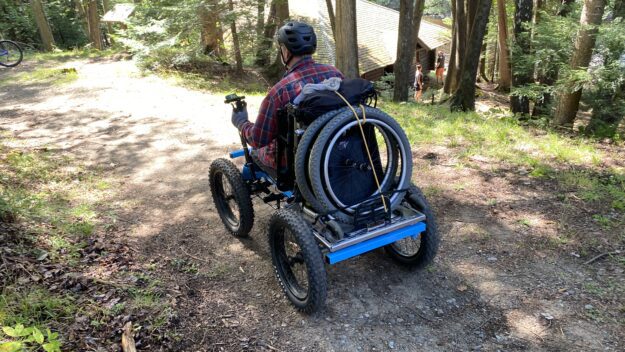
(260, 133)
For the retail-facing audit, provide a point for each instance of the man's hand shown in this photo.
(239, 118)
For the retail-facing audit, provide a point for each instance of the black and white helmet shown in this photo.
(298, 37)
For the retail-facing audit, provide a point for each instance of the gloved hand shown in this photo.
(239, 118)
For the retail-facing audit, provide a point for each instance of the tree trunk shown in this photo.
(211, 34)
(483, 61)
(464, 97)
(521, 75)
(235, 40)
(605, 120)
(459, 39)
(94, 25)
(276, 69)
(331, 15)
(491, 50)
(47, 40)
(410, 13)
(505, 72)
(106, 6)
(260, 19)
(568, 102)
(346, 38)
(80, 9)
(452, 66)
(264, 45)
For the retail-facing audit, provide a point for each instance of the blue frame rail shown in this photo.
(374, 243)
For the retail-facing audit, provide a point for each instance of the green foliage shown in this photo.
(29, 337)
(605, 91)
(384, 86)
(17, 23)
(437, 7)
(44, 189)
(165, 34)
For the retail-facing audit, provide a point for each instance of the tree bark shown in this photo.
(211, 34)
(605, 120)
(459, 39)
(464, 97)
(331, 15)
(235, 40)
(568, 102)
(47, 40)
(410, 13)
(106, 6)
(452, 66)
(260, 18)
(521, 75)
(346, 38)
(94, 25)
(80, 9)
(505, 71)
(275, 70)
(264, 45)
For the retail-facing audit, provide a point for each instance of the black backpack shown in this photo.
(356, 91)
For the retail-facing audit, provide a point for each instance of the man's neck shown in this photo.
(294, 62)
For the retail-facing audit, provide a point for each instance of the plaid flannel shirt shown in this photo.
(263, 133)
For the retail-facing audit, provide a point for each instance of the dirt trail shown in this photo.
(487, 290)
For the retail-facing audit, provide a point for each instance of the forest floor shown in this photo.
(526, 262)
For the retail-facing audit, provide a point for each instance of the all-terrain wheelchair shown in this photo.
(343, 188)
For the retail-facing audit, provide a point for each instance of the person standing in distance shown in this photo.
(440, 67)
(418, 84)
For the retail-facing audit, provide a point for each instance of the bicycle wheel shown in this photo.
(341, 173)
(10, 53)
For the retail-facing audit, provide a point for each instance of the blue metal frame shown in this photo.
(377, 242)
(352, 251)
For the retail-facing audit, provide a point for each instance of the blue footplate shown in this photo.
(377, 242)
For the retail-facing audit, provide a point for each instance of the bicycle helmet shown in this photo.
(298, 37)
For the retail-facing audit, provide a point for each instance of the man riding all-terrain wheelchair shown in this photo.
(337, 169)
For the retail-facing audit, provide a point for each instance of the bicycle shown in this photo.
(10, 53)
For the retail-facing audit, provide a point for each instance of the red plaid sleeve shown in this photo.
(263, 131)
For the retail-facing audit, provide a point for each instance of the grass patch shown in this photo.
(54, 200)
(52, 194)
(54, 76)
(218, 86)
(34, 306)
(501, 138)
(66, 55)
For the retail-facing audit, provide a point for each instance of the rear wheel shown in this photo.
(297, 261)
(10, 53)
(419, 252)
(231, 197)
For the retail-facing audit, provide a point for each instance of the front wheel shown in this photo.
(10, 53)
(297, 261)
(231, 197)
(417, 253)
